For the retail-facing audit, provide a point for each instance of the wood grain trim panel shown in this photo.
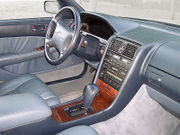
(104, 99)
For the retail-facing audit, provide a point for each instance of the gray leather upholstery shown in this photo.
(22, 109)
(29, 84)
(79, 130)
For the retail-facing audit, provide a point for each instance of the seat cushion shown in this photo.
(29, 84)
(79, 130)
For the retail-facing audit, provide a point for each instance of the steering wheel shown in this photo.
(62, 37)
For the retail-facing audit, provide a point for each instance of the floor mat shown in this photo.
(73, 88)
(70, 96)
(142, 116)
(62, 74)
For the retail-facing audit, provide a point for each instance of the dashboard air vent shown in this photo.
(124, 47)
(130, 50)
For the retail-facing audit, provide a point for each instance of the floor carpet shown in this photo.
(142, 116)
(67, 91)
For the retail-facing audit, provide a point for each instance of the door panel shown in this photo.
(20, 41)
(19, 49)
(23, 27)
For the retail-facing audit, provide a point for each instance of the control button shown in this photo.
(84, 44)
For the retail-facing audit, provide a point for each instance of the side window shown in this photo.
(19, 9)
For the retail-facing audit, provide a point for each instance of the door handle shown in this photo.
(38, 28)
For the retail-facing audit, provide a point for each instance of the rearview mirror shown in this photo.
(51, 7)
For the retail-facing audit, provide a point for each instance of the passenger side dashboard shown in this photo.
(163, 76)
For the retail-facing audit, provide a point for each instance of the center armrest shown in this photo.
(22, 109)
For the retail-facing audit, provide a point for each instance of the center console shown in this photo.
(117, 62)
(113, 70)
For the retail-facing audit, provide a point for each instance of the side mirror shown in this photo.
(51, 7)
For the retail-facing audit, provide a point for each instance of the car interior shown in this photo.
(86, 73)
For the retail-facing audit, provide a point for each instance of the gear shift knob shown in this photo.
(90, 92)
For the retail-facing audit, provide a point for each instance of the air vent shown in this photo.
(130, 50)
(124, 47)
(115, 45)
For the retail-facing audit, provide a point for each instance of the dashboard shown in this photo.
(131, 53)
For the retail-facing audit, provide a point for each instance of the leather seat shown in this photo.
(29, 84)
(79, 130)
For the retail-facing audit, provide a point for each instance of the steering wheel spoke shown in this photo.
(62, 36)
(49, 42)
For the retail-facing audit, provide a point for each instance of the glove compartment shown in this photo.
(163, 72)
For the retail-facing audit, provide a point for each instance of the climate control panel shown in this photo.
(117, 62)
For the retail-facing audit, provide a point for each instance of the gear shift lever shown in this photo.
(79, 109)
(90, 92)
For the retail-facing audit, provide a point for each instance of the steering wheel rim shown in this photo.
(63, 38)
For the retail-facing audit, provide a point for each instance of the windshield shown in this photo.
(157, 10)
